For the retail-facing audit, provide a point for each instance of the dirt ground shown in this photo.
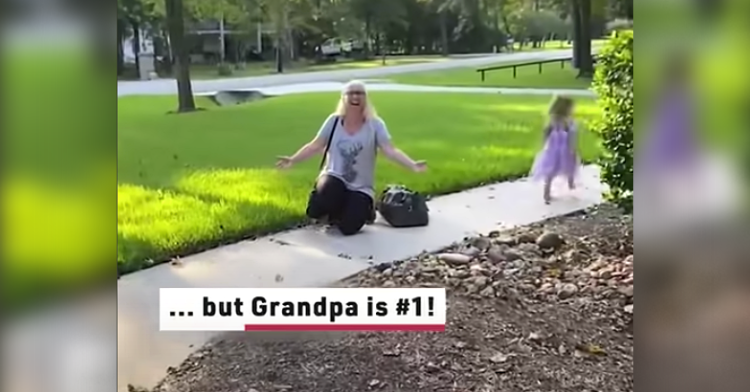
(548, 307)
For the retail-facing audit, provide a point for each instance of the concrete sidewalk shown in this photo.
(310, 257)
(74, 345)
(298, 258)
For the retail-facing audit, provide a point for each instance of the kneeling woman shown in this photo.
(344, 193)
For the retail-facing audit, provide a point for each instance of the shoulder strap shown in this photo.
(328, 144)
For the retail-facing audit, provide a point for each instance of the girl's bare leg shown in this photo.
(571, 182)
(547, 191)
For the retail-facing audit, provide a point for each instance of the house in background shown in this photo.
(209, 42)
(212, 42)
(129, 49)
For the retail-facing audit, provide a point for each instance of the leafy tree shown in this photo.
(176, 12)
(445, 12)
(582, 14)
(621, 9)
(442, 7)
(407, 26)
(132, 16)
(285, 16)
(536, 26)
(376, 16)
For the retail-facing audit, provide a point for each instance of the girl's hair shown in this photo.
(368, 110)
(678, 67)
(560, 107)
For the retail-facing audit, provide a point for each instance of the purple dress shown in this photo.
(671, 143)
(559, 156)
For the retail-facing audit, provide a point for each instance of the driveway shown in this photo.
(169, 86)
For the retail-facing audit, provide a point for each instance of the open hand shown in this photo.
(284, 162)
(419, 166)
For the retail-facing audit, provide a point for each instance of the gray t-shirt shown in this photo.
(351, 158)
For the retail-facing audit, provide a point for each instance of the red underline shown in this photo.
(346, 327)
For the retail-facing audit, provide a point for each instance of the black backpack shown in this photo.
(402, 207)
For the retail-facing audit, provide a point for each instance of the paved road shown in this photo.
(168, 86)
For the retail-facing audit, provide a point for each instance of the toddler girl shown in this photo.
(559, 156)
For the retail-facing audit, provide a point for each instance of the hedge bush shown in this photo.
(224, 69)
(613, 82)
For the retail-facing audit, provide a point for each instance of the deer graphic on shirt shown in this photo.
(349, 153)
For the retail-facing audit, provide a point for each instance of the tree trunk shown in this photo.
(585, 60)
(288, 39)
(279, 50)
(169, 62)
(176, 26)
(136, 44)
(368, 35)
(444, 33)
(120, 48)
(496, 18)
(280, 25)
(629, 9)
(576, 33)
(292, 45)
(279, 57)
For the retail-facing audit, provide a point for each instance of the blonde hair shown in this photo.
(561, 107)
(368, 110)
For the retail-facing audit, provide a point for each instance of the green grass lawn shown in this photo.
(192, 181)
(552, 76)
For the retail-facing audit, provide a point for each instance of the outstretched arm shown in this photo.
(318, 144)
(314, 147)
(396, 155)
(385, 144)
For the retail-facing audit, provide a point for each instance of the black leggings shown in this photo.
(346, 209)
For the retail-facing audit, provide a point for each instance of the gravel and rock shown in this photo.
(547, 307)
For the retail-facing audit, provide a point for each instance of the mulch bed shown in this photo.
(548, 307)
